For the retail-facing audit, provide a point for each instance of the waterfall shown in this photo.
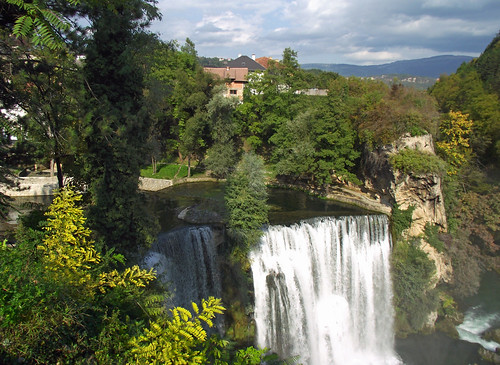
(323, 291)
(185, 259)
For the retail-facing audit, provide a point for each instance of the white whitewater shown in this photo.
(476, 322)
(323, 291)
(186, 260)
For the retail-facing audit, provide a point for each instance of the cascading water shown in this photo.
(185, 258)
(323, 291)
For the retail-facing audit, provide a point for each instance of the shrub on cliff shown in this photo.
(414, 300)
(401, 220)
(410, 161)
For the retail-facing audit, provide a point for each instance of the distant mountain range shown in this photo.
(425, 67)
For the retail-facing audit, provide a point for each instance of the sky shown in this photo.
(360, 32)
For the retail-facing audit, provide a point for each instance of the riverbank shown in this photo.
(46, 186)
(346, 195)
(31, 186)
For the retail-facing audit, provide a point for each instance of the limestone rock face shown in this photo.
(421, 191)
(444, 269)
(424, 193)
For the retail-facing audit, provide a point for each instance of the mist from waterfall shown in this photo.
(323, 291)
(185, 258)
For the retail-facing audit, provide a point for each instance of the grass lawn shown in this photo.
(165, 171)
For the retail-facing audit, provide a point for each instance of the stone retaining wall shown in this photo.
(41, 186)
(31, 186)
(150, 184)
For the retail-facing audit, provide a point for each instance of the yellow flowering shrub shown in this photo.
(69, 252)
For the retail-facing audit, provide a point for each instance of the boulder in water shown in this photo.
(490, 356)
(195, 215)
(492, 335)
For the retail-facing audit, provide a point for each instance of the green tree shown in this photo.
(246, 202)
(223, 153)
(49, 90)
(41, 22)
(185, 90)
(116, 128)
(467, 93)
(271, 98)
(413, 297)
(385, 114)
(57, 285)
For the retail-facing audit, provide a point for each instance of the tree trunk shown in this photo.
(60, 178)
(153, 163)
(189, 166)
(180, 165)
(52, 168)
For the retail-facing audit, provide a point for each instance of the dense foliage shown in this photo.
(413, 296)
(62, 301)
(471, 90)
(410, 161)
(246, 202)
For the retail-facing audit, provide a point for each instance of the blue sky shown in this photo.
(332, 31)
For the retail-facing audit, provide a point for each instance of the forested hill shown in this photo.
(426, 67)
(488, 66)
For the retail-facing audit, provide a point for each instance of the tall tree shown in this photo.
(116, 128)
(49, 91)
(246, 202)
(186, 89)
(223, 154)
(270, 99)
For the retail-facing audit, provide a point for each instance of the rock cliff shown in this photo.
(421, 191)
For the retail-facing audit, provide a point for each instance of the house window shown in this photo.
(233, 92)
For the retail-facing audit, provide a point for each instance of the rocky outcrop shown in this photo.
(196, 215)
(444, 269)
(489, 356)
(421, 191)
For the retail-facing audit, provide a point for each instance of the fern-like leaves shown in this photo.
(39, 23)
(177, 339)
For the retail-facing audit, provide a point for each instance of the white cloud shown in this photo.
(334, 31)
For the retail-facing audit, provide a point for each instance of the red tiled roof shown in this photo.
(263, 61)
(234, 74)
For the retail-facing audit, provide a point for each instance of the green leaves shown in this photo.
(411, 161)
(414, 300)
(178, 339)
(40, 23)
(246, 202)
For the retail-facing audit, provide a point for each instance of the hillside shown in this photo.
(425, 67)
(488, 66)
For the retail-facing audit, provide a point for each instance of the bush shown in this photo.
(432, 237)
(412, 272)
(401, 220)
(465, 259)
(410, 161)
